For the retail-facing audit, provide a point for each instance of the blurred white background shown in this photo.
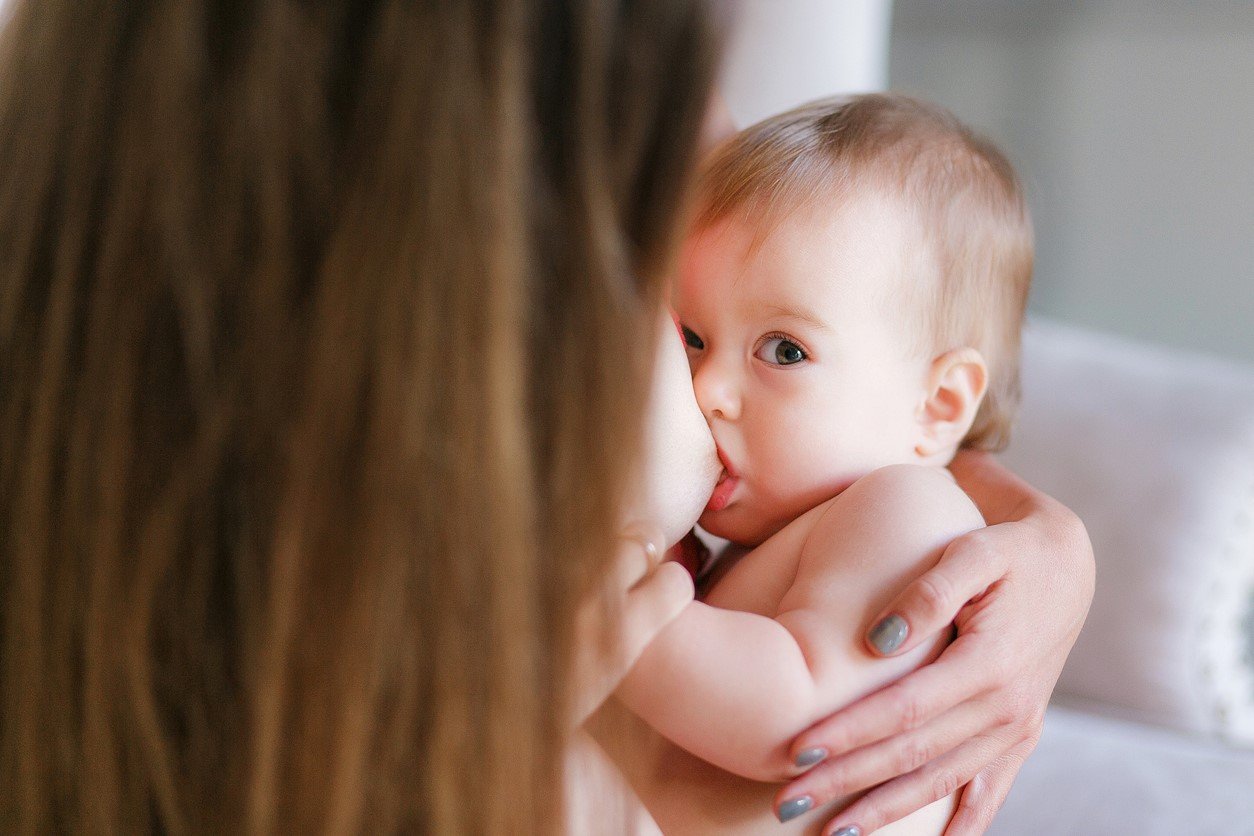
(1131, 121)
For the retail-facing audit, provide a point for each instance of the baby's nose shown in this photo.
(717, 391)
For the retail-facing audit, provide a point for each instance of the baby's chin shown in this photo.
(734, 524)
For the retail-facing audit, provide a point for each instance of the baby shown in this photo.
(851, 298)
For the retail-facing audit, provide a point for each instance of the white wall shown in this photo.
(1132, 122)
(785, 52)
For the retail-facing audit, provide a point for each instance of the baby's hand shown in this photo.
(641, 595)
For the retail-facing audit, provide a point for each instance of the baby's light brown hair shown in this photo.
(968, 282)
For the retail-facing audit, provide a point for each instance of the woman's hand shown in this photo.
(1018, 592)
(642, 594)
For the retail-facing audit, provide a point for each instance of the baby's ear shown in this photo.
(955, 385)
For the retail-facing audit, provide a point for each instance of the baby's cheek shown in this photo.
(797, 449)
(805, 463)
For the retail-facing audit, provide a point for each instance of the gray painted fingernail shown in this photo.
(794, 807)
(887, 636)
(811, 756)
(849, 831)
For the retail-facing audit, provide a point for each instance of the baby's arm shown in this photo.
(734, 688)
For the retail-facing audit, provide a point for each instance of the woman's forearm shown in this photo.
(1002, 496)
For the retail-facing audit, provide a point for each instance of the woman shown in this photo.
(306, 468)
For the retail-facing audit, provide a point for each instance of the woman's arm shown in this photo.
(1018, 592)
(597, 792)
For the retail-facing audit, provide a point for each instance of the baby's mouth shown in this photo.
(722, 492)
(726, 485)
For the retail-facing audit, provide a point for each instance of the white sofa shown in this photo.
(1152, 731)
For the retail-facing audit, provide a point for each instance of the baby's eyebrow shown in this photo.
(790, 312)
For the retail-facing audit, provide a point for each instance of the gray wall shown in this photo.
(1132, 122)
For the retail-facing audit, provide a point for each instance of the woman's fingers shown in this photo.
(968, 567)
(652, 604)
(639, 598)
(655, 591)
(916, 699)
(961, 750)
(639, 550)
(882, 761)
(915, 790)
(987, 791)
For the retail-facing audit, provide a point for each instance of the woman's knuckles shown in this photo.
(837, 779)
(944, 782)
(909, 707)
(932, 603)
(914, 753)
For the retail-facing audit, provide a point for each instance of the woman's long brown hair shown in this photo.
(323, 333)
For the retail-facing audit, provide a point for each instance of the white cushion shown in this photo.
(1102, 776)
(1154, 449)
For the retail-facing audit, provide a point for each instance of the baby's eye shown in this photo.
(780, 351)
(691, 339)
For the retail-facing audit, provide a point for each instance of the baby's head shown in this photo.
(852, 294)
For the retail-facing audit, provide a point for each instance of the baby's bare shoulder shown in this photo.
(898, 510)
(903, 493)
(878, 535)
